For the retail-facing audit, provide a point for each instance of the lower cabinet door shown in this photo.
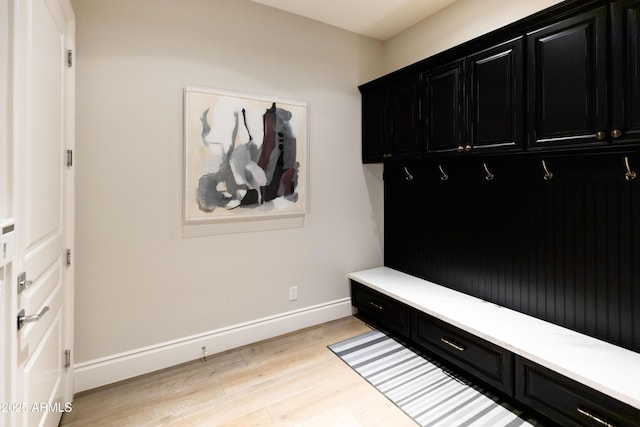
(482, 359)
(568, 402)
(379, 309)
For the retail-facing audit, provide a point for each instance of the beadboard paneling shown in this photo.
(565, 250)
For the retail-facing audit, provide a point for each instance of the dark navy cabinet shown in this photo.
(625, 72)
(484, 360)
(381, 310)
(567, 402)
(495, 100)
(391, 120)
(563, 80)
(567, 82)
(444, 121)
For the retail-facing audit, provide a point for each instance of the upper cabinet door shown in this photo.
(391, 120)
(567, 82)
(374, 141)
(625, 71)
(445, 124)
(404, 115)
(496, 97)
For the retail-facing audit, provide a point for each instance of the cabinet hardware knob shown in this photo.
(593, 417)
(460, 149)
(600, 135)
(616, 133)
(467, 148)
(450, 344)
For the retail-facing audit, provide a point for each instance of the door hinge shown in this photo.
(69, 158)
(68, 257)
(69, 58)
(67, 358)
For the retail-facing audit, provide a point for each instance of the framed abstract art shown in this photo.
(246, 156)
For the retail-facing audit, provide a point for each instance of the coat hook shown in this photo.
(489, 175)
(444, 176)
(408, 176)
(547, 175)
(629, 174)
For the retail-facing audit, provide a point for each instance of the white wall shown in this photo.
(142, 290)
(453, 25)
(145, 296)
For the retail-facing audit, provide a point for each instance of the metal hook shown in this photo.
(629, 174)
(444, 176)
(408, 176)
(489, 175)
(547, 175)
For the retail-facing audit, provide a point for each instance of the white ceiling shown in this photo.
(380, 19)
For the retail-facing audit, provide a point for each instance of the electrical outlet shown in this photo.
(293, 293)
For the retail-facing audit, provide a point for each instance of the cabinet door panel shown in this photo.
(482, 359)
(380, 309)
(404, 101)
(625, 68)
(445, 108)
(567, 72)
(374, 144)
(496, 97)
(568, 402)
(391, 120)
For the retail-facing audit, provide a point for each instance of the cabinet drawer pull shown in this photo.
(449, 343)
(594, 418)
(373, 304)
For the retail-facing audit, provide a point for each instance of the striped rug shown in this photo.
(422, 388)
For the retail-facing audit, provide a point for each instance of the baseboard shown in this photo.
(110, 369)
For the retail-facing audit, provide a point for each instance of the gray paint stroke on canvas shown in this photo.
(248, 175)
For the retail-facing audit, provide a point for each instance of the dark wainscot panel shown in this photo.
(566, 250)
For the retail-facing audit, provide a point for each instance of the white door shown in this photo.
(42, 111)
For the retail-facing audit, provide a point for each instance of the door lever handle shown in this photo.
(22, 319)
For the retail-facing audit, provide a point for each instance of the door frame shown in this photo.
(4, 199)
(17, 110)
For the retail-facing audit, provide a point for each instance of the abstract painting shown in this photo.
(245, 156)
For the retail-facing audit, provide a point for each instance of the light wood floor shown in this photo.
(292, 380)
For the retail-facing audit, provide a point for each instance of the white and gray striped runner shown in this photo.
(421, 388)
